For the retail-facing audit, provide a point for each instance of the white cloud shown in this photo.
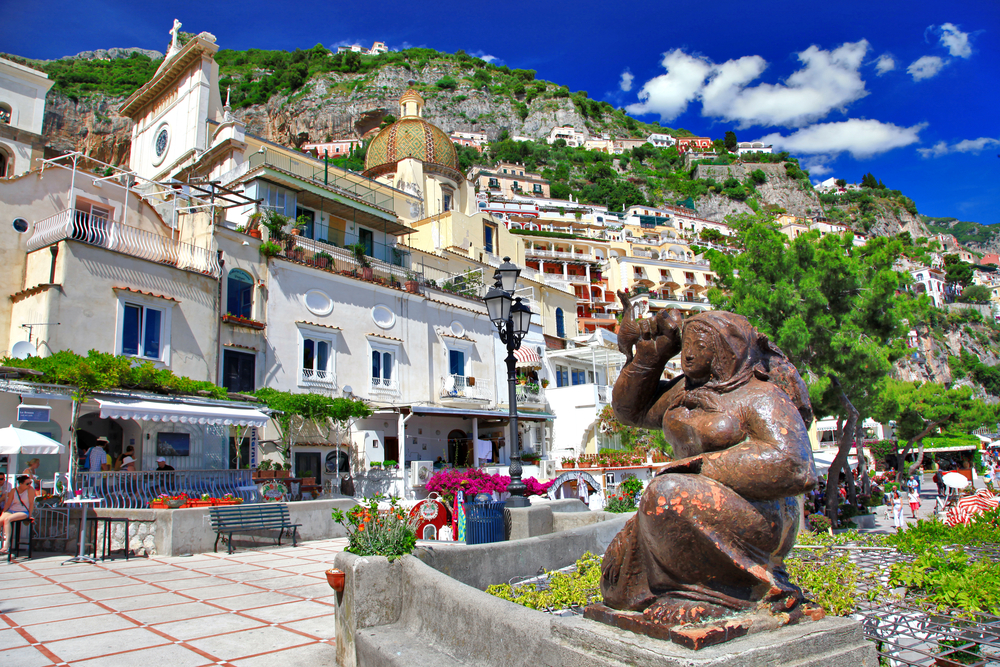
(669, 94)
(964, 146)
(885, 63)
(626, 81)
(925, 67)
(482, 55)
(861, 138)
(816, 165)
(956, 41)
(828, 80)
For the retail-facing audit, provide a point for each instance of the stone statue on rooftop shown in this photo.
(713, 527)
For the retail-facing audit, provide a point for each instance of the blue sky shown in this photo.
(909, 90)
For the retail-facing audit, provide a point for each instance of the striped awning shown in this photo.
(527, 358)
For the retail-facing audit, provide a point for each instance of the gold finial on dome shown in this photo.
(411, 104)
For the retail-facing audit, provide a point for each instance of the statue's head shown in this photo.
(714, 346)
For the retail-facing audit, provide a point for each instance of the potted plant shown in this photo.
(359, 250)
(412, 286)
(569, 463)
(389, 464)
(323, 259)
(376, 464)
(545, 382)
(308, 479)
(265, 470)
(270, 249)
(283, 472)
(253, 224)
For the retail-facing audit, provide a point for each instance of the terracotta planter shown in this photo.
(570, 464)
(157, 505)
(308, 481)
(265, 474)
(322, 262)
(367, 273)
(944, 661)
(199, 503)
(282, 474)
(336, 579)
(255, 233)
(413, 287)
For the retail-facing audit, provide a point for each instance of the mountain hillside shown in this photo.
(982, 238)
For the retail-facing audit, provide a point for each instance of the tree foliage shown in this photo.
(293, 411)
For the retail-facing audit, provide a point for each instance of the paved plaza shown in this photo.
(255, 607)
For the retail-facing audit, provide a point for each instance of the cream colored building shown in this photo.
(508, 180)
(22, 110)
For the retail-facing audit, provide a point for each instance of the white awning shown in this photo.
(181, 412)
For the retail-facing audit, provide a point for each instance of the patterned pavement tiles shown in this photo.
(218, 610)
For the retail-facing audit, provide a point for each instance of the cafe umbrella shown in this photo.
(15, 441)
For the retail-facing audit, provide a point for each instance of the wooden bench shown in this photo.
(229, 519)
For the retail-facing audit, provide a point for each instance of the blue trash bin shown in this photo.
(484, 522)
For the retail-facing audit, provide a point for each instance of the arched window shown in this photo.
(239, 290)
(560, 323)
(5, 163)
(5, 113)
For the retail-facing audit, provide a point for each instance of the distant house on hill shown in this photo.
(685, 144)
(990, 258)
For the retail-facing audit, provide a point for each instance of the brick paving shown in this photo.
(251, 608)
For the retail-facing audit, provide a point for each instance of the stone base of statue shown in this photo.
(696, 636)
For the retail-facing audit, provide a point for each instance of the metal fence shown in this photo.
(906, 629)
(134, 490)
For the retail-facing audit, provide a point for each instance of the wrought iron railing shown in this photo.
(134, 490)
(527, 393)
(101, 232)
(460, 386)
(384, 387)
(329, 176)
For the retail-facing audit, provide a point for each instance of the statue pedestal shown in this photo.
(697, 636)
(829, 642)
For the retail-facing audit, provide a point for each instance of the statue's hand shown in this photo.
(659, 338)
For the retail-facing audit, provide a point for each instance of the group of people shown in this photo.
(895, 501)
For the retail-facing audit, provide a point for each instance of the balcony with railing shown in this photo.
(134, 490)
(462, 387)
(530, 393)
(124, 239)
(318, 378)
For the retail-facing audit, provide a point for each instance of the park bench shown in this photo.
(230, 519)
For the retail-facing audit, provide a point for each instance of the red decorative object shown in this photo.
(336, 579)
(242, 321)
(432, 517)
(254, 233)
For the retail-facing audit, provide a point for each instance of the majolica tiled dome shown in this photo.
(409, 137)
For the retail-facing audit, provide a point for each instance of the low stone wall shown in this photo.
(409, 613)
(189, 531)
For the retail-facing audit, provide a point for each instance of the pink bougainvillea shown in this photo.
(472, 481)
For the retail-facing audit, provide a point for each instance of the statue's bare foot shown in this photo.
(670, 611)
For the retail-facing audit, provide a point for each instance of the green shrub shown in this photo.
(373, 532)
(565, 589)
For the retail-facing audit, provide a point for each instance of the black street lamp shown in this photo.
(512, 320)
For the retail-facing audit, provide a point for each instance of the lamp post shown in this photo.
(512, 320)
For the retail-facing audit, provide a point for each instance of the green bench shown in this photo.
(230, 519)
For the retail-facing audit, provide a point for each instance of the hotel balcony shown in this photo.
(384, 388)
(103, 233)
(530, 393)
(465, 388)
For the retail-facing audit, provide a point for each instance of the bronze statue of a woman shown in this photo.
(714, 526)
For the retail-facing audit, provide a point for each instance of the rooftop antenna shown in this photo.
(37, 324)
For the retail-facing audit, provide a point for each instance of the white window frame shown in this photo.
(466, 347)
(383, 346)
(317, 334)
(166, 309)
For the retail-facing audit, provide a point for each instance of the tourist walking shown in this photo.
(914, 498)
(898, 518)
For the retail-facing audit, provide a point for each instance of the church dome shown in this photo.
(411, 137)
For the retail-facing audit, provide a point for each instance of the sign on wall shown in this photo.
(253, 447)
(33, 413)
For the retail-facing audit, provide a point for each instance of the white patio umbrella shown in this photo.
(955, 480)
(22, 441)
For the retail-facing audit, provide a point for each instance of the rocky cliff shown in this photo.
(89, 124)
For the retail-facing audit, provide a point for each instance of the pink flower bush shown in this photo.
(472, 481)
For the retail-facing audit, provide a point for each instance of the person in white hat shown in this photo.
(128, 464)
(161, 464)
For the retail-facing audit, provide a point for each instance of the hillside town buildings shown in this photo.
(22, 108)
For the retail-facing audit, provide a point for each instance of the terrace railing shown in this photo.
(134, 490)
(103, 233)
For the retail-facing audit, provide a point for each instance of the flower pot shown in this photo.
(413, 287)
(282, 474)
(265, 474)
(367, 273)
(157, 505)
(336, 579)
(255, 233)
(322, 262)
(175, 503)
(569, 464)
(308, 481)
